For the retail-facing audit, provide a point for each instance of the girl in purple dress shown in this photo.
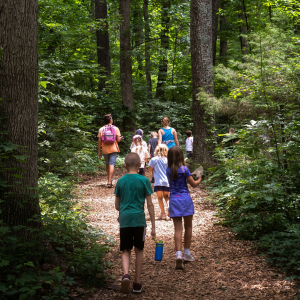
(181, 204)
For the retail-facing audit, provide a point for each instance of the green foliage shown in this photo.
(69, 238)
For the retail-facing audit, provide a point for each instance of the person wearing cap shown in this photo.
(139, 149)
(140, 133)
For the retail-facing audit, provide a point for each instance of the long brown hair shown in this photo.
(175, 161)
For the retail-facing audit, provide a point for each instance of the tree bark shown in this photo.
(137, 32)
(223, 35)
(125, 66)
(102, 42)
(19, 112)
(202, 79)
(164, 37)
(215, 17)
(243, 29)
(147, 50)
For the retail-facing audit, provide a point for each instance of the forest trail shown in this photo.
(224, 268)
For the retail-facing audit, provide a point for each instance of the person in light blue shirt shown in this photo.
(159, 164)
(167, 135)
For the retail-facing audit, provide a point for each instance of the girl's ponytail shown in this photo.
(175, 161)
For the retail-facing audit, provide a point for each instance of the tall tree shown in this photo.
(147, 49)
(243, 28)
(125, 65)
(215, 17)
(165, 41)
(19, 111)
(202, 78)
(223, 35)
(102, 41)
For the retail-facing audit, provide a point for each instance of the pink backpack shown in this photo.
(109, 134)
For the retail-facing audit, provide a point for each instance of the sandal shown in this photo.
(110, 185)
(162, 217)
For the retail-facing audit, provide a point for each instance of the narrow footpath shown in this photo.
(224, 268)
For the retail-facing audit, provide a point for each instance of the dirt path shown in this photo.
(224, 268)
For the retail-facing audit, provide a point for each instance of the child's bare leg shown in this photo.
(166, 197)
(160, 202)
(188, 229)
(178, 232)
(138, 264)
(126, 260)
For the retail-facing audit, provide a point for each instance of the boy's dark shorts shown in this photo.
(132, 236)
(142, 171)
(189, 154)
(159, 188)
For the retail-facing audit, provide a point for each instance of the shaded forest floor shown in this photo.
(224, 268)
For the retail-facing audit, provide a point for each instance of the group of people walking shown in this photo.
(170, 177)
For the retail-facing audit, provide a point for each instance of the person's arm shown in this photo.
(149, 148)
(99, 146)
(150, 207)
(150, 169)
(117, 203)
(118, 135)
(159, 137)
(175, 138)
(192, 182)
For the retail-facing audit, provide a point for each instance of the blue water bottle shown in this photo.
(159, 250)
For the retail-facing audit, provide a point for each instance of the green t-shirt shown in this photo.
(132, 189)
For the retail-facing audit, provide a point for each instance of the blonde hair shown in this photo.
(161, 150)
(138, 145)
(153, 134)
(165, 121)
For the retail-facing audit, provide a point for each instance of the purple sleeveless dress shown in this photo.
(181, 203)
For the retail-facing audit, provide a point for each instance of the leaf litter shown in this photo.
(224, 267)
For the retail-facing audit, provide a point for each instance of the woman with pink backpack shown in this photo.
(108, 138)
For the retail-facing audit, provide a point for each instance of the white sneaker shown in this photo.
(179, 262)
(188, 257)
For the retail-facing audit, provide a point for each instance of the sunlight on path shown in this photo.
(224, 268)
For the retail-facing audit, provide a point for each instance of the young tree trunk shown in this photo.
(147, 50)
(223, 35)
(125, 66)
(215, 17)
(19, 112)
(243, 29)
(102, 42)
(164, 37)
(137, 32)
(202, 79)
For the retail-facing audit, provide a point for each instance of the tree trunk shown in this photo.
(243, 30)
(147, 50)
(223, 34)
(202, 79)
(215, 17)
(102, 42)
(125, 66)
(19, 112)
(164, 37)
(137, 32)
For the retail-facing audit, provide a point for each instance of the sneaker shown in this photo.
(179, 262)
(125, 284)
(137, 288)
(188, 257)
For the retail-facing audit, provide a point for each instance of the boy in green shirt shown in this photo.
(131, 191)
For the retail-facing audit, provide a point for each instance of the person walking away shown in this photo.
(131, 191)
(181, 204)
(167, 135)
(189, 145)
(141, 151)
(159, 165)
(141, 133)
(153, 142)
(228, 143)
(108, 138)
